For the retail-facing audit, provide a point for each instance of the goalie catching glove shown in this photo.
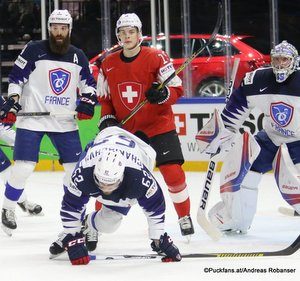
(86, 106)
(157, 96)
(166, 246)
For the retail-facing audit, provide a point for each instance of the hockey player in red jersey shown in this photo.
(126, 78)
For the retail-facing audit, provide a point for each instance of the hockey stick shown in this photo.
(288, 212)
(184, 65)
(232, 77)
(41, 152)
(284, 252)
(202, 220)
(46, 113)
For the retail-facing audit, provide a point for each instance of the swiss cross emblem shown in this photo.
(180, 123)
(59, 80)
(130, 94)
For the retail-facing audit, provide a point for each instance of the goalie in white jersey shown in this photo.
(46, 77)
(117, 170)
(275, 91)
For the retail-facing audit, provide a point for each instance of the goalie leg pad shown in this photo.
(238, 162)
(236, 211)
(287, 176)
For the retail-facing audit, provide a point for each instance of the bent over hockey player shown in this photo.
(116, 170)
(126, 78)
(275, 91)
(46, 77)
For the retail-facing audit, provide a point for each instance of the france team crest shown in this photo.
(281, 113)
(59, 80)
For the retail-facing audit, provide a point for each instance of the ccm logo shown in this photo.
(76, 241)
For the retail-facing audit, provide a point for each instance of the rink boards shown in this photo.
(190, 115)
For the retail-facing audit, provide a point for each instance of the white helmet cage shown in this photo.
(60, 17)
(129, 20)
(285, 50)
(109, 169)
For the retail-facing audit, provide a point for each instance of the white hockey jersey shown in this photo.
(280, 103)
(49, 82)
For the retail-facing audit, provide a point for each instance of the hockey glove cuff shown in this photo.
(86, 106)
(157, 96)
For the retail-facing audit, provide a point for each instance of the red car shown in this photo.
(208, 69)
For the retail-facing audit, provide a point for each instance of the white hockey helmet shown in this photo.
(60, 17)
(132, 20)
(284, 60)
(109, 170)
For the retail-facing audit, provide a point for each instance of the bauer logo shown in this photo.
(59, 80)
(281, 113)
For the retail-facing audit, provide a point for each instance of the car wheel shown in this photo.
(211, 88)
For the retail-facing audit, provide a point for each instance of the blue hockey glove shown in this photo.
(77, 251)
(86, 106)
(156, 96)
(9, 110)
(166, 246)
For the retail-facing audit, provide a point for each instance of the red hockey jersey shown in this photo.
(122, 86)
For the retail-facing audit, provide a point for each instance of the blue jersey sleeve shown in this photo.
(153, 205)
(24, 64)
(87, 82)
(73, 209)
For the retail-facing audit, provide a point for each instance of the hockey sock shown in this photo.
(11, 196)
(175, 180)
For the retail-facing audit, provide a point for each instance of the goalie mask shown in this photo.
(109, 171)
(129, 20)
(60, 17)
(284, 60)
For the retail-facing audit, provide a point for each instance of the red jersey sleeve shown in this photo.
(166, 69)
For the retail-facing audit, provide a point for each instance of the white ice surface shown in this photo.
(25, 257)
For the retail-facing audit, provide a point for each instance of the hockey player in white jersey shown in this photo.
(46, 77)
(115, 169)
(275, 91)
